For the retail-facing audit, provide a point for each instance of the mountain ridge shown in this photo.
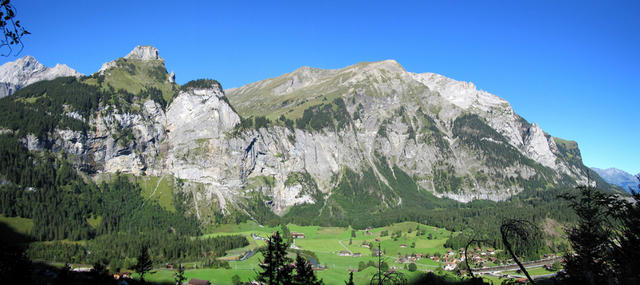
(27, 70)
(311, 142)
(619, 177)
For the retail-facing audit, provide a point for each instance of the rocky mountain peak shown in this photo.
(144, 53)
(27, 70)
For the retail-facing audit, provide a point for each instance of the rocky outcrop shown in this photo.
(144, 53)
(27, 70)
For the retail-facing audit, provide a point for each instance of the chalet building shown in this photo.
(450, 266)
(194, 281)
(403, 246)
(297, 235)
(119, 275)
(356, 254)
(344, 253)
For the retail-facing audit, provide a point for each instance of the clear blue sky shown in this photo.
(573, 67)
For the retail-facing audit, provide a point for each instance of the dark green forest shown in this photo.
(44, 187)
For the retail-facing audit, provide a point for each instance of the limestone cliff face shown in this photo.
(446, 136)
(418, 113)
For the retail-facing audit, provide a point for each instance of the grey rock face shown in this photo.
(144, 53)
(27, 70)
(383, 88)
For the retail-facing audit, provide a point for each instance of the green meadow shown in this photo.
(327, 243)
(20, 225)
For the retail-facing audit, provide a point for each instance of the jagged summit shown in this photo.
(27, 70)
(144, 53)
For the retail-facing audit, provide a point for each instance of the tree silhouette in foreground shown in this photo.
(304, 273)
(350, 282)
(179, 275)
(466, 258)
(525, 231)
(606, 239)
(383, 276)
(11, 28)
(144, 263)
(275, 265)
(277, 268)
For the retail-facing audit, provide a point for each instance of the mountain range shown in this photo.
(27, 70)
(330, 144)
(619, 177)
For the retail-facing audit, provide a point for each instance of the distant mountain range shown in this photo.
(618, 177)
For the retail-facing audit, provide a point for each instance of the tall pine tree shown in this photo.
(304, 273)
(275, 266)
(144, 263)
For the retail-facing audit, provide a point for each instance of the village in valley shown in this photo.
(409, 248)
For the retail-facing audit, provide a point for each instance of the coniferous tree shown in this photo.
(304, 273)
(606, 239)
(179, 275)
(350, 282)
(100, 272)
(144, 263)
(275, 266)
(235, 280)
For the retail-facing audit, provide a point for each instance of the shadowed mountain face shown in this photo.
(330, 143)
(618, 177)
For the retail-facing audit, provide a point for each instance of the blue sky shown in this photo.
(573, 67)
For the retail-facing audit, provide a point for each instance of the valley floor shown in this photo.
(338, 253)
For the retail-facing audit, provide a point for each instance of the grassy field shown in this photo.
(327, 243)
(20, 225)
(159, 189)
(532, 271)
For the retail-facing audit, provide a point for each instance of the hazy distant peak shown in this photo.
(618, 177)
